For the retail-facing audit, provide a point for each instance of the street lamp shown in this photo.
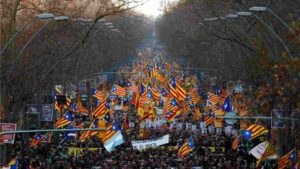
(108, 23)
(101, 20)
(232, 16)
(84, 21)
(39, 17)
(244, 14)
(45, 16)
(263, 9)
(215, 18)
(110, 26)
(61, 18)
(258, 9)
(58, 18)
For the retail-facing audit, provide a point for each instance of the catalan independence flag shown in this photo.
(125, 125)
(212, 98)
(65, 120)
(113, 137)
(100, 95)
(176, 90)
(208, 120)
(36, 140)
(186, 148)
(82, 109)
(235, 143)
(87, 134)
(117, 90)
(285, 160)
(173, 114)
(61, 107)
(101, 110)
(253, 131)
(133, 87)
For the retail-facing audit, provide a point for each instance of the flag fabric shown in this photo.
(285, 160)
(173, 114)
(82, 109)
(100, 95)
(13, 164)
(101, 110)
(113, 137)
(155, 95)
(169, 105)
(212, 98)
(269, 152)
(47, 138)
(65, 120)
(253, 131)
(125, 126)
(59, 107)
(117, 90)
(177, 147)
(176, 90)
(208, 120)
(226, 107)
(37, 139)
(186, 148)
(133, 87)
(87, 134)
(235, 143)
(224, 93)
(197, 114)
(144, 100)
(153, 72)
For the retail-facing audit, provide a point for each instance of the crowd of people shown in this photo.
(212, 151)
(190, 101)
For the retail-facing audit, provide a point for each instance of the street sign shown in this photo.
(7, 138)
(277, 120)
(47, 112)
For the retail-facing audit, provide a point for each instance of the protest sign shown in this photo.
(144, 144)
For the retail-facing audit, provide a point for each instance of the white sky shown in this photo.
(152, 8)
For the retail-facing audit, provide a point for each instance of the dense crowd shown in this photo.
(55, 154)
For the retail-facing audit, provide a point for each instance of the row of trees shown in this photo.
(50, 52)
(262, 50)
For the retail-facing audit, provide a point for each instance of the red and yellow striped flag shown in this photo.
(235, 143)
(284, 160)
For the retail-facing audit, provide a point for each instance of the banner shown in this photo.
(77, 151)
(143, 144)
(7, 138)
(259, 150)
(47, 112)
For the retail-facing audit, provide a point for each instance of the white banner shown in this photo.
(259, 150)
(143, 144)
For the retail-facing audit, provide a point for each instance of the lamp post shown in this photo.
(38, 17)
(58, 18)
(263, 9)
(248, 14)
(258, 9)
